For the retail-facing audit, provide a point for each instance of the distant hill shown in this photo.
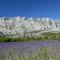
(22, 25)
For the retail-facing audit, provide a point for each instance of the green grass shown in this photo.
(40, 53)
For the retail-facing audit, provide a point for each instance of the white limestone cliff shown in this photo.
(21, 25)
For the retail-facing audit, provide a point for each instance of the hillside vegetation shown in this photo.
(41, 37)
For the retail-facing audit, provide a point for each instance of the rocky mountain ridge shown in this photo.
(22, 25)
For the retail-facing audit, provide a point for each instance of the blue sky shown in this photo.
(30, 8)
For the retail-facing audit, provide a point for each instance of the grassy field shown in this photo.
(40, 53)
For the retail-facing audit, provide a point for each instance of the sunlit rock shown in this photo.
(23, 25)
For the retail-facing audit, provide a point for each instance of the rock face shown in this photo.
(22, 25)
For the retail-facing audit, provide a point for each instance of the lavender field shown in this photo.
(41, 50)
